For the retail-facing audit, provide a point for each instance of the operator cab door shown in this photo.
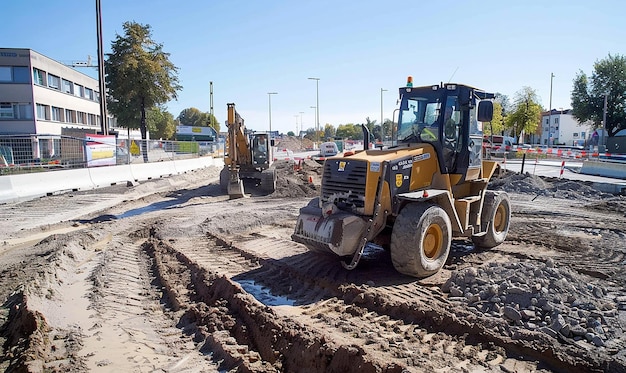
(454, 137)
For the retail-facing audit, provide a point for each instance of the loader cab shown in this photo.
(449, 117)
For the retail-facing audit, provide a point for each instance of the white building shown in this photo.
(559, 127)
(41, 96)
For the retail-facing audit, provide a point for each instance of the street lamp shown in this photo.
(302, 112)
(269, 96)
(317, 107)
(381, 113)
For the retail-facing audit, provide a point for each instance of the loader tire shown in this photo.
(224, 179)
(495, 219)
(268, 181)
(420, 240)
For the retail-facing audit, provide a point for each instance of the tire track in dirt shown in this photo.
(129, 330)
(404, 304)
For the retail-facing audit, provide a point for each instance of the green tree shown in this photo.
(526, 112)
(160, 123)
(347, 131)
(194, 117)
(139, 76)
(329, 131)
(290, 133)
(608, 78)
(496, 126)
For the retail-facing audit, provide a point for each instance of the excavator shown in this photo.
(248, 157)
(417, 195)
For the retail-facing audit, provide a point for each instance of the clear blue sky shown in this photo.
(251, 47)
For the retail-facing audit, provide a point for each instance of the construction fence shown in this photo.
(37, 153)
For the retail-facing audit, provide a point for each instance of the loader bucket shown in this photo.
(338, 233)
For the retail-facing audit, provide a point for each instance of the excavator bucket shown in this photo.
(235, 185)
(235, 189)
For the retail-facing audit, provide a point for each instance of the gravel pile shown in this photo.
(541, 297)
(547, 187)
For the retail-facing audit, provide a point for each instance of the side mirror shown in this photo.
(485, 111)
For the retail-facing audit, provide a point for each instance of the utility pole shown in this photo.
(211, 103)
(104, 124)
(550, 114)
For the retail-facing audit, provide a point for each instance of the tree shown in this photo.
(496, 126)
(194, 117)
(329, 131)
(345, 131)
(526, 112)
(608, 78)
(160, 123)
(290, 133)
(139, 76)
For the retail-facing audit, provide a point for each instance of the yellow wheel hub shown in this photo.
(499, 221)
(433, 240)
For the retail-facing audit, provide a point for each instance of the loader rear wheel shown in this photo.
(268, 181)
(496, 218)
(420, 240)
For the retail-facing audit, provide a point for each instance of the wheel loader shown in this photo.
(248, 157)
(414, 197)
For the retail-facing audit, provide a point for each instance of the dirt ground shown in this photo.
(170, 275)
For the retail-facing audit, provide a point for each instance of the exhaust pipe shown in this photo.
(366, 137)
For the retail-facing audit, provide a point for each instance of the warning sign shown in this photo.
(134, 148)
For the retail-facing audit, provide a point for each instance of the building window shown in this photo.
(80, 117)
(68, 87)
(20, 74)
(39, 77)
(582, 134)
(5, 74)
(556, 120)
(6, 110)
(78, 90)
(90, 119)
(89, 93)
(24, 111)
(54, 81)
(42, 112)
(575, 134)
(57, 114)
(70, 116)
(548, 121)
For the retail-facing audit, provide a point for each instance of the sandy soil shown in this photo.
(171, 275)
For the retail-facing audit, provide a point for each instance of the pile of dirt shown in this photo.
(300, 179)
(294, 143)
(542, 297)
(547, 187)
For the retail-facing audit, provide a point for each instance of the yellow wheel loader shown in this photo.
(415, 196)
(248, 157)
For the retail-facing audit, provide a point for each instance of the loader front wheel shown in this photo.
(420, 240)
(495, 219)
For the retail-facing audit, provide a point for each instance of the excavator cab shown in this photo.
(261, 149)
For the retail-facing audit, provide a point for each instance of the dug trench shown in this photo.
(217, 285)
